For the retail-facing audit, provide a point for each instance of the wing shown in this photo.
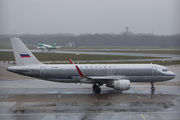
(98, 79)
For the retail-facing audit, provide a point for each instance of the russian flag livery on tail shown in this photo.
(25, 55)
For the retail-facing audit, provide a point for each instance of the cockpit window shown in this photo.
(165, 70)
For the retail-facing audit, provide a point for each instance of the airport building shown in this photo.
(70, 44)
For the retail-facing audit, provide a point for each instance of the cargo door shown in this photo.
(43, 71)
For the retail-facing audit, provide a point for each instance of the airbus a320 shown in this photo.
(117, 76)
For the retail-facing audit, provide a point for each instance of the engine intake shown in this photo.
(119, 85)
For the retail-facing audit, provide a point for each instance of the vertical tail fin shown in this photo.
(54, 44)
(22, 54)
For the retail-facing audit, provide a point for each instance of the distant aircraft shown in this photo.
(49, 47)
(117, 76)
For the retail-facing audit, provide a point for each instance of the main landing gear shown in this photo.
(96, 88)
(152, 86)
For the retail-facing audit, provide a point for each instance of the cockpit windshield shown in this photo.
(165, 70)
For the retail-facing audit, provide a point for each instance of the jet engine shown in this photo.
(119, 84)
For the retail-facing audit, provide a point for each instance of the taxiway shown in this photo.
(27, 98)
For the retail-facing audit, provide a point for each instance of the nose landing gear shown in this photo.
(152, 86)
(96, 88)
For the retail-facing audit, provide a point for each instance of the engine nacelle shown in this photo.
(119, 85)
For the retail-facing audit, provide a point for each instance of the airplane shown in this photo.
(45, 46)
(117, 76)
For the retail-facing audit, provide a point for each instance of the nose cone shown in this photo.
(172, 75)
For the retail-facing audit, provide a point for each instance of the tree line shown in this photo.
(100, 39)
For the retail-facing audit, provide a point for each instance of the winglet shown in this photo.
(80, 72)
(70, 61)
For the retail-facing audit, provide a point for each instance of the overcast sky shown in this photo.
(162, 17)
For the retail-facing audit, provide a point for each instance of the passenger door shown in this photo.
(154, 71)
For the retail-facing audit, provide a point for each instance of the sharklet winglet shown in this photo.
(70, 61)
(80, 72)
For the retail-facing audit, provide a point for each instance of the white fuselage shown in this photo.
(117, 76)
(67, 72)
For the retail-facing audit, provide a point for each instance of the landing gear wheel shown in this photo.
(94, 87)
(152, 86)
(98, 90)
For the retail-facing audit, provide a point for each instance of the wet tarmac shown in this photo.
(25, 98)
(82, 103)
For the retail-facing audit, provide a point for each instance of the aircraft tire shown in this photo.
(153, 88)
(98, 90)
(94, 87)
